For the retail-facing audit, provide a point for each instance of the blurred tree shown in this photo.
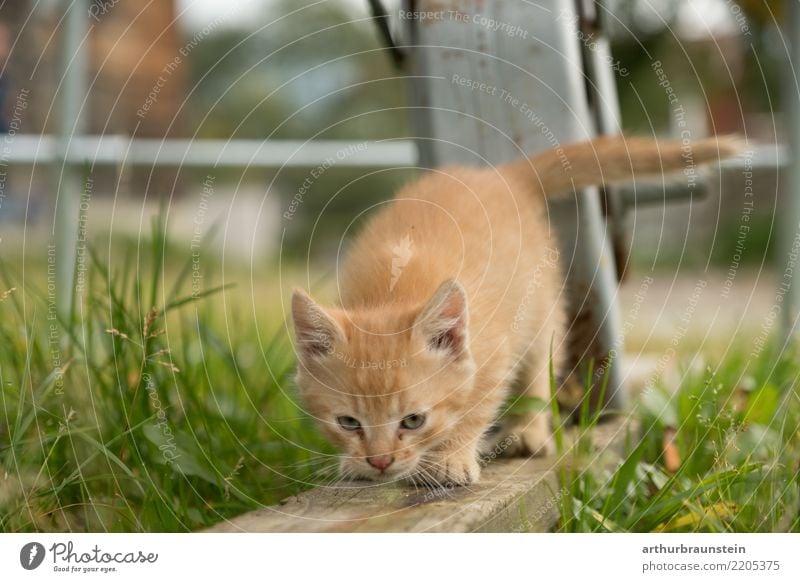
(734, 70)
(764, 13)
(305, 69)
(731, 76)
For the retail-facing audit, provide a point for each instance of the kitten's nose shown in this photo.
(381, 462)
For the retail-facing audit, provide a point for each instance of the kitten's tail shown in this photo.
(607, 160)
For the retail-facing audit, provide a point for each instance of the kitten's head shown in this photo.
(386, 384)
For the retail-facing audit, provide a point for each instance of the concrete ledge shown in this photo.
(515, 495)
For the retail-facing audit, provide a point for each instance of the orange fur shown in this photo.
(451, 293)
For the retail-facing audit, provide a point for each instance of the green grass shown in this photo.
(151, 410)
(163, 416)
(718, 453)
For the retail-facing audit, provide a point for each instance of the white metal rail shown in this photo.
(118, 150)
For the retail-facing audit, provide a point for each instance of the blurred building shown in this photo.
(129, 45)
(139, 82)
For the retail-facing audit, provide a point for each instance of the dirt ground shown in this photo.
(674, 320)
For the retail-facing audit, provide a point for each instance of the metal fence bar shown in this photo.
(114, 150)
(67, 175)
(790, 220)
(117, 150)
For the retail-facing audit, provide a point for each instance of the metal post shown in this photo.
(529, 56)
(790, 219)
(67, 175)
(602, 88)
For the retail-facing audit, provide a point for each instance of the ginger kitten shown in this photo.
(407, 375)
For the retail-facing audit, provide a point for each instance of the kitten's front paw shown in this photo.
(529, 437)
(452, 468)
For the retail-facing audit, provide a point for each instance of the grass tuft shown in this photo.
(145, 411)
(719, 453)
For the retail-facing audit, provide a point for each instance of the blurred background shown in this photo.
(297, 70)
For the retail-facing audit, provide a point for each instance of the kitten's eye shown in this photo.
(348, 423)
(413, 421)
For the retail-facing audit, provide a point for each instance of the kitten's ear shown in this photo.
(315, 330)
(443, 322)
